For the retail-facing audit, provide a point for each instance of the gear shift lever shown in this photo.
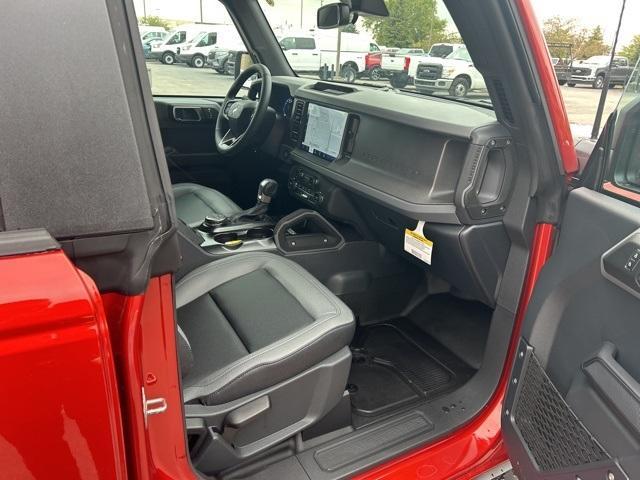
(266, 192)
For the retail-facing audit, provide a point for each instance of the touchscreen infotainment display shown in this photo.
(325, 131)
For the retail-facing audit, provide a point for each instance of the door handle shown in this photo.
(294, 54)
(615, 385)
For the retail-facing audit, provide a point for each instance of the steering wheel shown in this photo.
(239, 120)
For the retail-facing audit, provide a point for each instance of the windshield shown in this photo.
(440, 50)
(400, 64)
(460, 54)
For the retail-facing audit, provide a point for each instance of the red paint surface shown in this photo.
(621, 192)
(550, 87)
(372, 60)
(59, 401)
(476, 446)
(146, 357)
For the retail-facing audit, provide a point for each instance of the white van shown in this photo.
(195, 54)
(308, 52)
(167, 51)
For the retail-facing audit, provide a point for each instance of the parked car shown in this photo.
(168, 50)
(399, 65)
(152, 32)
(436, 292)
(147, 45)
(196, 53)
(454, 74)
(592, 71)
(373, 66)
(309, 52)
(218, 59)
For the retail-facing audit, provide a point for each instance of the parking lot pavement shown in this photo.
(581, 101)
(181, 79)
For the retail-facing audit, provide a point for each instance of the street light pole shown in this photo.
(605, 87)
(201, 16)
(301, 11)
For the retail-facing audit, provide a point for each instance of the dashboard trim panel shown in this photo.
(440, 213)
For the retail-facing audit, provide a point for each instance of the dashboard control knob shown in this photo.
(212, 221)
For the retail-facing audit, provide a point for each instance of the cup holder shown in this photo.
(259, 233)
(226, 237)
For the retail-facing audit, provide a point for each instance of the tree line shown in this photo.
(417, 24)
(585, 42)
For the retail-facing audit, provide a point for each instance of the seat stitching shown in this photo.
(287, 290)
(206, 204)
(226, 317)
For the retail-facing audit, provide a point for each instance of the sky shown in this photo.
(588, 13)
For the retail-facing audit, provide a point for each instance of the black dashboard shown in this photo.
(403, 160)
(426, 158)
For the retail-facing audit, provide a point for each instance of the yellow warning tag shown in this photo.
(417, 244)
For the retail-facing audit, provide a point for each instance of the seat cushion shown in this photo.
(194, 202)
(253, 320)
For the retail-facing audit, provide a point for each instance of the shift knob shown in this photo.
(267, 190)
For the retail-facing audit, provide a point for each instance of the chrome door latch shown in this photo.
(152, 406)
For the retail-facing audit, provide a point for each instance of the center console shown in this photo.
(305, 186)
(244, 237)
(254, 230)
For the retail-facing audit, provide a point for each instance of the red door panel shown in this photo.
(60, 415)
(145, 347)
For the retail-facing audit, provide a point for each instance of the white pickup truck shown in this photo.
(400, 65)
(307, 53)
(454, 74)
(396, 64)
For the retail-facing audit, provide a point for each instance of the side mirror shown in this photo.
(333, 15)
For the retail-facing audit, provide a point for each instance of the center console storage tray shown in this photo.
(322, 235)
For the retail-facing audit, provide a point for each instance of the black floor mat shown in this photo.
(460, 325)
(396, 364)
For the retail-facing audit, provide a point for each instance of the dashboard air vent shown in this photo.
(296, 120)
